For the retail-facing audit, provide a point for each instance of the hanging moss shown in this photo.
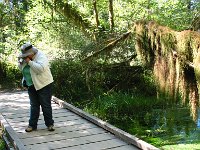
(171, 56)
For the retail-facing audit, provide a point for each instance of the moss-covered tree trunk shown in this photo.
(174, 58)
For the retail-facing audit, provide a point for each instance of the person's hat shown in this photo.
(27, 49)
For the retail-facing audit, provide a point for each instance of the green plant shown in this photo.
(10, 75)
(2, 143)
(116, 106)
(69, 80)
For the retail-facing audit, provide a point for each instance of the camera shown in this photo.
(21, 60)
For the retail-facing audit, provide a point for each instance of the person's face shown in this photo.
(30, 57)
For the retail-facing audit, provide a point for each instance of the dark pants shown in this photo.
(41, 98)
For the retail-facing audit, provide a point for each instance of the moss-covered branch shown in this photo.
(72, 15)
(174, 58)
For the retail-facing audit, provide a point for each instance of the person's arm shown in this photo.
(39, 65)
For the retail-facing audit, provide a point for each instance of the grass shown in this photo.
(2, 144)
(181, 147)
(133, 114)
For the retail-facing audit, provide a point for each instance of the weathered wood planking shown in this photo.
(11, 134)
(73, 132)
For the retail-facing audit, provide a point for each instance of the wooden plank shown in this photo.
(123, 147)
(41, 119)
(21, 104)
(13, 110)
(66, 143)
(12, 134)
(56, 122)
(9, 145)
(23, 113)
(63, 135)
(102, 145)
(13, 114)
(63, 129)
(26, 115)
(116, 131)
(20, 126)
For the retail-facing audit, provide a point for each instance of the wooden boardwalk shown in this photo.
(74, 129)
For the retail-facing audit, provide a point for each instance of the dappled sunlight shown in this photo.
(70, 129)
(14, 104)
(11, 102)
(184, 146)
(11, 109)
(68, 123)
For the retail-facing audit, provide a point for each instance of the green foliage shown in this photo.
(81, 82)
(175, 13)
(39, 21)
(12, 25)
(2, 144)
(115, 106)
(131, 112)
(146, 118)
(69, 80)
(108, 92)
(10, 76)
(52, 33)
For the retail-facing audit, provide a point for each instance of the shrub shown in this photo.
(10, 76)
(69, 80)
(80, 83)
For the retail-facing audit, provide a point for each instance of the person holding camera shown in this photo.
(38, 79)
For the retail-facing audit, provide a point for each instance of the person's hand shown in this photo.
(20, 61)
(27, 59)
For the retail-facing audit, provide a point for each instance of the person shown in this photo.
(38, 78)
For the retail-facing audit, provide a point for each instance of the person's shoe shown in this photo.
(30, 129)
(51, 128)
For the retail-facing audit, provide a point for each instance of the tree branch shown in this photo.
(109, 47)
(72, 15)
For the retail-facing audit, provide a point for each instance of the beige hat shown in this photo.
(27, 49)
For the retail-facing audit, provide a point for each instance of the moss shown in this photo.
(170, 54)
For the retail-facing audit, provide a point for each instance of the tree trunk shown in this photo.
(97, 23)
(96, 13)
(149, 9)
(111, 15)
